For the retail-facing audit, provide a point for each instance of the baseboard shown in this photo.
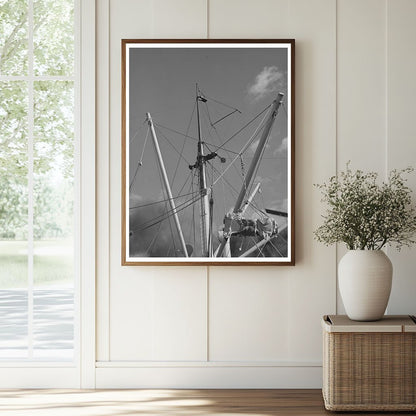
(39, 378)
(209, 377)
(170, 375)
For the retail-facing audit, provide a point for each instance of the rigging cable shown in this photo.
(244, 148)
(175, 131)
(215, 129)
(162, 200)
(173, 238)
(264, 214)
(219, 140)
(167, 214)
(170, 215)
(140, 162)
(149, 249)
(260, 249)
(183, 134)
(174, 148)
(170, 223)
(184, 141)
(177, 165)
(219, 102)
(228, 183)
(186, 181)
(257, 168)
(245, 125)
(252, 204)
(243, 174)
(235, 110)
(224, 117)
(285, 241)
(137, 132)
(228, 155)
(271, 242)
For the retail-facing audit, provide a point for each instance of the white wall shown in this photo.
(248, 326)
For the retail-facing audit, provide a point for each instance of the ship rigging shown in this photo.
(262, 234)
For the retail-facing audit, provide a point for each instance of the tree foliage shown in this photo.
(365, 214)
(52, 118)
(53, 37)
(13, 37)
(13, 130)
(13, 208)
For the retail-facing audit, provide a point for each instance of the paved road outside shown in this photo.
(53, 323)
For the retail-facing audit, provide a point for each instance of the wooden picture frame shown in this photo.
(208, 152)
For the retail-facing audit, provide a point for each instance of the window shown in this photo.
(38, 185)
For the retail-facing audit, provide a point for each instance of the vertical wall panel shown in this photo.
(401, 143)
(248, 19)
(312, 281)
(361, 84)
(139, 326)
(179, 325)
(159, 315)
(179, 19)
(361, 89)
(248, 314)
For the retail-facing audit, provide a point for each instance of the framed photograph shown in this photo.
(208, 152)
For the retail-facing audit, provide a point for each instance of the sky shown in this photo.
(162, 81)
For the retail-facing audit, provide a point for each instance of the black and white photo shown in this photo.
(208, 152)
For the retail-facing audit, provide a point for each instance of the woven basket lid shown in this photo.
(389, 323)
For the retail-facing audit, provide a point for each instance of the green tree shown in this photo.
(13, 209)
(13, 37)
(53, 118)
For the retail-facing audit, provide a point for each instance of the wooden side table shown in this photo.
(369, 366)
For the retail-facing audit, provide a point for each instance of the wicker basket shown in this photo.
(369, 366)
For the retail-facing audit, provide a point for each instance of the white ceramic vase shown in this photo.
(364, 278)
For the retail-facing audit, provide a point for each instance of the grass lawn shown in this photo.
(52, 263)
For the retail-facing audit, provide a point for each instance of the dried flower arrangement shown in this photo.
(366, 215)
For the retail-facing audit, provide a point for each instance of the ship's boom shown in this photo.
(257, 155)
(252, 170)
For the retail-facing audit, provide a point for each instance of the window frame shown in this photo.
(81, 371)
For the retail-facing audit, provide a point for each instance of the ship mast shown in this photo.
(203, 191)
(167, 185)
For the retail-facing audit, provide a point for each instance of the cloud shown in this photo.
(282, 148)
(270, 79)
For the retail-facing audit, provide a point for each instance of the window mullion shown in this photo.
(30, 177)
